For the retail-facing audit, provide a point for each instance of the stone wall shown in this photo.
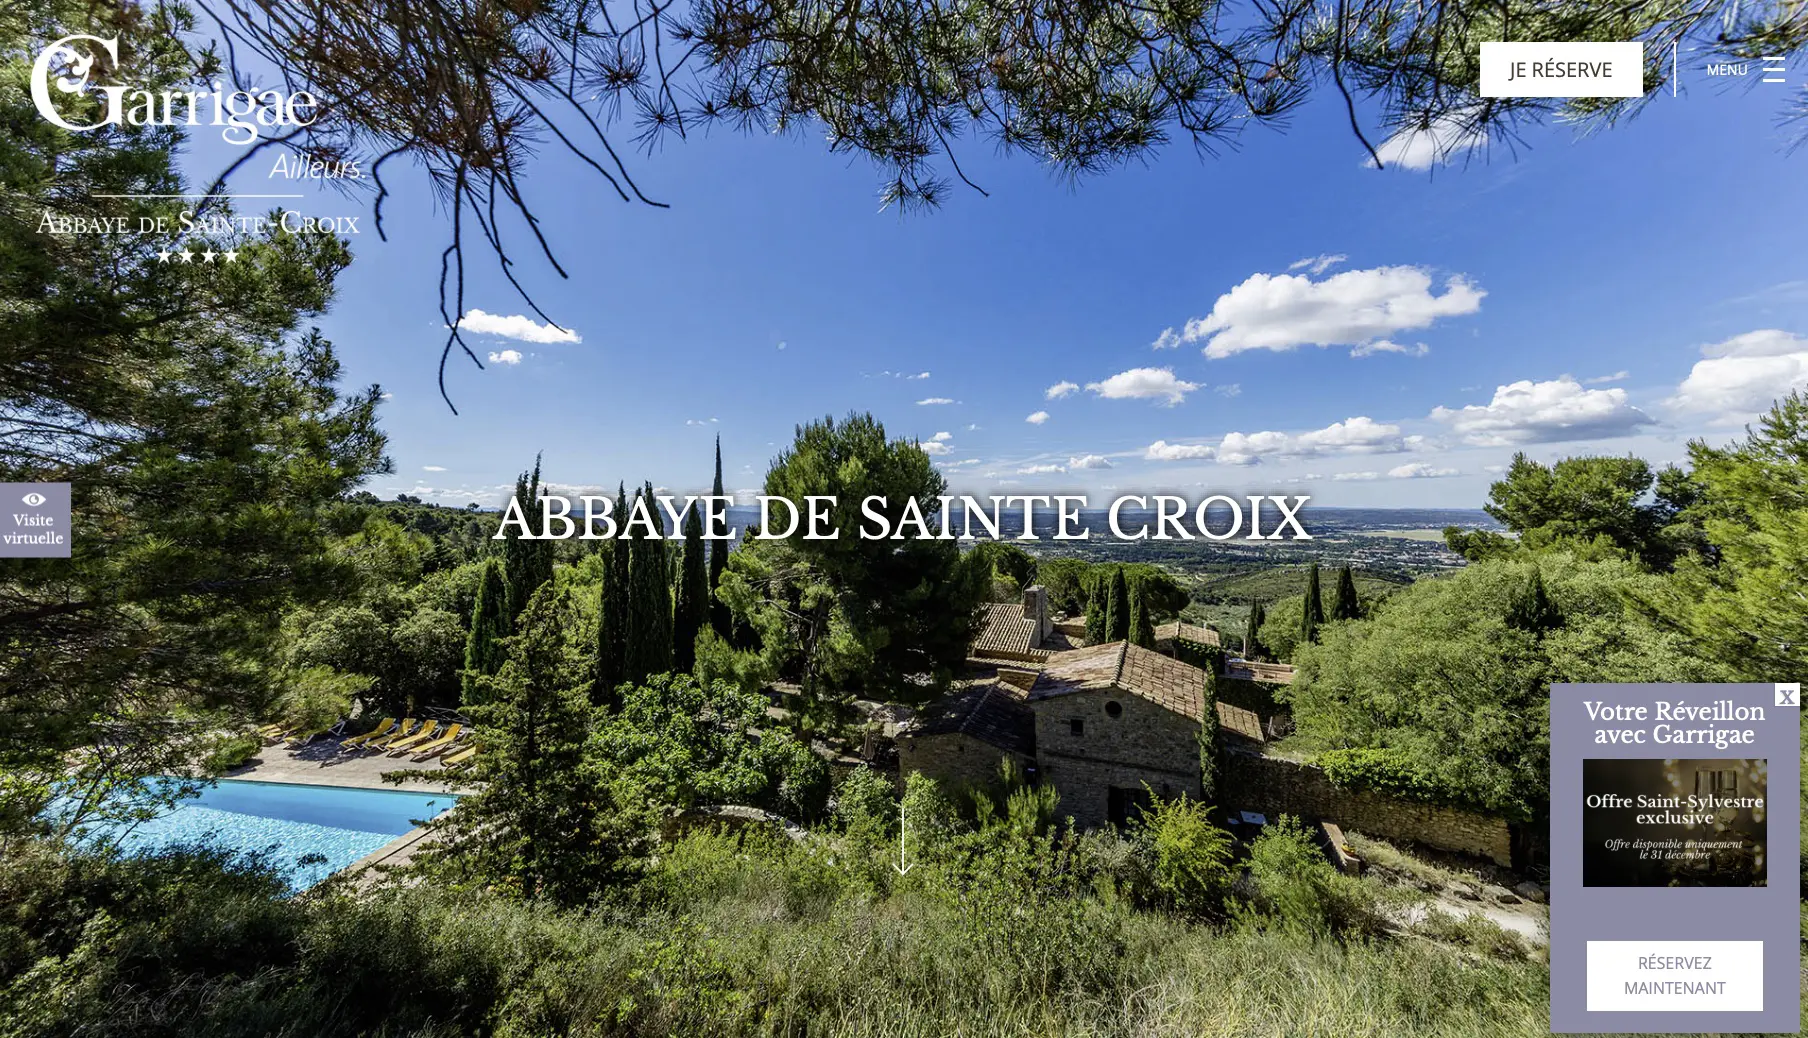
(1139, 743)
(1272, 786)
(953, 759)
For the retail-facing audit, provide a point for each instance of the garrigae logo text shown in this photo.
(239, 113)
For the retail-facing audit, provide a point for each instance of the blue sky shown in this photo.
(1616, 293)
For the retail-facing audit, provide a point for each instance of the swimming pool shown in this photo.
(308, 832)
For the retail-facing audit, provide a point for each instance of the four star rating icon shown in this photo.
(187, 255)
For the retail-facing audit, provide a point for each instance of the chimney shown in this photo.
(1035, 607)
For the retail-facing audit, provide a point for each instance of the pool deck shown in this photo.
(320, 763)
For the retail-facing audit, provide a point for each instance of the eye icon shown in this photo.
(34, 499)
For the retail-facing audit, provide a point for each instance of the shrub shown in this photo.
(231, 752)
(1190, 858)
(1387, 771)
(1296, 888)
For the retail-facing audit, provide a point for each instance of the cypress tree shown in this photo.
(1312, 616)
(649, 634)
(719, 617)
(1095, 608)
(612, 631)
(484, 652)
(1344, 605)
(1252, 631)
(527, 564)
(1142, 632)
(1117, 610)
(692, 613)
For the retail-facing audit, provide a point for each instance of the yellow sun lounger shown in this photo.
(446, 738)
(460, 758)
(270, 732)
(395, 748)
(386, 728)
(402, 730)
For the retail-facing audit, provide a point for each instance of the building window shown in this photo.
(1113, 708)
(1077, 726)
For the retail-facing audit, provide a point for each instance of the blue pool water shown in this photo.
(308, 832)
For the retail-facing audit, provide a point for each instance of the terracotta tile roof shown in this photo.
(1234, 720)
(1186, 632)
(1160, 679)
(987, 713)
(1005, 632)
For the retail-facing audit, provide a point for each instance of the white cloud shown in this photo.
(433, 468)
(515, 326)
(389, 396)
(935, 448)
(1169, 339)
(1037, 470)
(932, 401)
(1601, 380)
(1544, 412)
(1744, 375)
(972, 426)
(1345, 477)
(1420, 470)
(942, 437)
(1318, 264)
(1420, 147)
(1358, 308)
(1061, 389)
(1229, 389)
(506, 357)
(701, 421)
(1089, 461)
(1359, 435)
(1144, 384)
(1038, 418)
(961, 463)
(1162, 450)
(1369, 349)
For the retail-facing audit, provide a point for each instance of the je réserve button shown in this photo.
(1563, 70)
(1675, 976)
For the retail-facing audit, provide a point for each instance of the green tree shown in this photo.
(1117, 607)
(719, 617)
(484, 649)
(614, 595)
(1011, 568)
(1740, 602)
(542, 822)
(196, 417)
(1312, 616)
(1594, 507)
(679, 742)
(649, 628)
(1444, 674)
(892, 616)
(526, 563)
(1344, 603)
(1097, 605)
(691, 614)
(1252, 632)
(1142, 632)
(1190, 859)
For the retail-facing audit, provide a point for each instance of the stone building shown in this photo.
(1099, 724)
(1114, 723)
(964, 739)
(1018, 632)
